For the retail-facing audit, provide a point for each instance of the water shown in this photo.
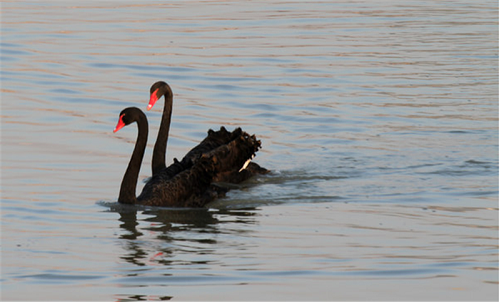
(379, 121)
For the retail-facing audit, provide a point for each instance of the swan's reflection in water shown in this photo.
(162, 224)
(168, 246)
(125, 298)
(164, 221)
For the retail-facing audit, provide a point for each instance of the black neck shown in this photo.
(160, 148)
(129, 182)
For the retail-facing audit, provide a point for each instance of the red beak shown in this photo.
(120, 124)
(153, 99)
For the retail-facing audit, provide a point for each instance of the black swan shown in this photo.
(187, 187)
(213, 140)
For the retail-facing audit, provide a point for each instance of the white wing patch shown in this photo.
(245, 165)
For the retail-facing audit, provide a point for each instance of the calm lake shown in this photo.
(378, 119)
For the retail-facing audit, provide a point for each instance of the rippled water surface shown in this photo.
(379, 120)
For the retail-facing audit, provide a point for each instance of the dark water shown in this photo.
(379, 121)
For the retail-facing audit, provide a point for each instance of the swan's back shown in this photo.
(185, 189)
(191, 187)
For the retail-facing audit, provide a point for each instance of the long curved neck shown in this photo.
(129, 182)
(160, 148)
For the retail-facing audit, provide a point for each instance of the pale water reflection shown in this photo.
(379, 121)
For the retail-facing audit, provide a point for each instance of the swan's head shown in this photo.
(127, 117)
(156, 91)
